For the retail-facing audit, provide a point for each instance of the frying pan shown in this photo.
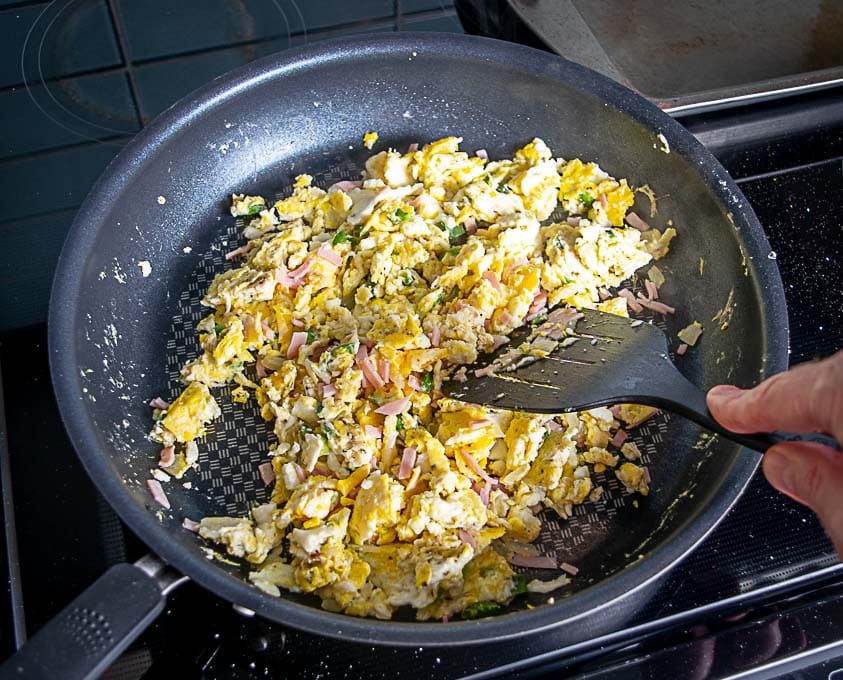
(117, 338)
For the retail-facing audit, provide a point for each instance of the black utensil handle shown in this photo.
(93, 630)
(689, 400)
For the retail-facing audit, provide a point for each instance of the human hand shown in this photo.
(807, 398)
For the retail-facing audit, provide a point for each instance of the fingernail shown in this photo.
(781, 473)
(724, 391)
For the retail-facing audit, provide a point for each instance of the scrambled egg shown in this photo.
(353, 304)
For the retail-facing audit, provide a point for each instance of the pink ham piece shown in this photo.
(435, 336)
(168, 456)
(298, 339)
(505, 318)
(267, 330)
(512, 267)
(413, 147)
(413, 381)
(652, 290)
(647, 478)
(654, 306)
(481, 153)
(383, 370)
(393, 408)
(300, 474)
(470, 225)
(408, 460)
(619, 438)
(301, 271)
(322, 469)
(604, 201)
(603, 294)
(627, 295)
(475, 467)
(483, 372)
(260, 370)
(682, 349)
(534, 561)
(242, 250)
(329, 255)
(345, 185)
(298, 323)
(479, 424)
(499, 340)
(373, 432)
(157, 492)
(492, 278)
(553, 426)
(364, 363)
(564, 316)
(282, 276)
(467, 538)
(485, 490)
(538, 305)
(159, 403)
(267, 473)
(569, 568)
(328, 390)
(190, 525)
(574, 220)
(634, 221)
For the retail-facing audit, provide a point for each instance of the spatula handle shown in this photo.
(689, 400)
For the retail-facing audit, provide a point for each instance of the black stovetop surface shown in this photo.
(763, 586)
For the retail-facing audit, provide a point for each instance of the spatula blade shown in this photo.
(606, 359)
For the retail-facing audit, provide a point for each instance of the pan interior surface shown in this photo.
(118, 338)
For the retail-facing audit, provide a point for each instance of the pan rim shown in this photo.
(66, 290)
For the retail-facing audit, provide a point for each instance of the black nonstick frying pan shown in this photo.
(117, 338)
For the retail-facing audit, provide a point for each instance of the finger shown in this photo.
(808, 398)
(813, 475)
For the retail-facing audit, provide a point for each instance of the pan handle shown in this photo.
(93, 630)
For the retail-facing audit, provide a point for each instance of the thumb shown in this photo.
(813, 475)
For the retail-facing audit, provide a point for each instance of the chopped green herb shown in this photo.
(399, 422)
(539, 320)
(519, 584)
(611, 233)
(568, 280)
(237, 365)
(407, 278)
(218, 328)
(586, 200)
(480, 609)
(399, 216)
(311, 335)
(339, 237)
(451, 251)
(558, 241)
(455, 232)
(325, 446)
(255, 208)
(426, 381)
(348, 347)
(306, 429)
(329, 429)
(488, 179)
(442, 226)
(504, 188)
(439, 298)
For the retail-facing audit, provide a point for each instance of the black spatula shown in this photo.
(574, 364)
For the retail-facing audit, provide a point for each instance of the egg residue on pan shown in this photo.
(353, 304)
